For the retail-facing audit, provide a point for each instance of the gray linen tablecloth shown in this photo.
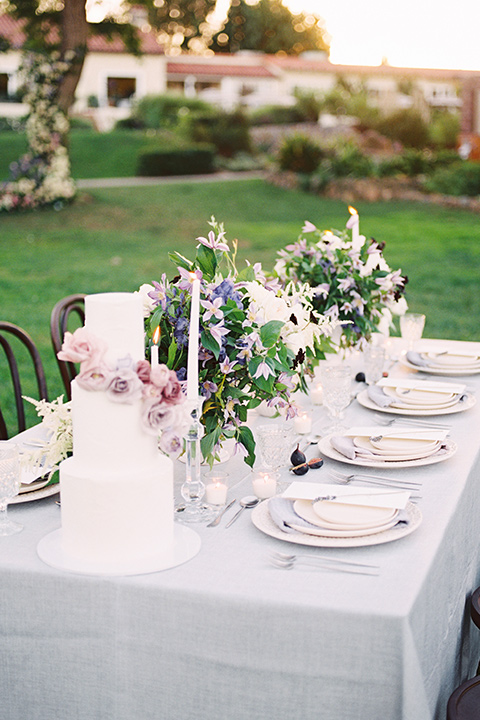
(228, 637)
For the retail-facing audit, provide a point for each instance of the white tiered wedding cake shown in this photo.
(117, 489)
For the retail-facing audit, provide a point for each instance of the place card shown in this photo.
(381, 497)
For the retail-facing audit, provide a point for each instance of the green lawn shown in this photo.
(116, 239)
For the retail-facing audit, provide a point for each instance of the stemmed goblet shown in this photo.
(275, 443)
(9, 485)
(336, 383)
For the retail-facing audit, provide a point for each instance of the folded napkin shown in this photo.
(377, 395)
(345, 446)
(416, 359)
(283, 515)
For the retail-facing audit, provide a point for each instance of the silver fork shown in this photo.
(388, 422)
(287, 562)
(343, 479)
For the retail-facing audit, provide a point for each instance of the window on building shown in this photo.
(3, 86)
(120, 90)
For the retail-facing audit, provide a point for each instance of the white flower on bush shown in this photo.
(398, 307)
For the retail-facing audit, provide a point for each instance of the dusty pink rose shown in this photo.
(95, 378)
(172, 392)
(82, 347)
(125, 386)
(143, 371)
(160, 376)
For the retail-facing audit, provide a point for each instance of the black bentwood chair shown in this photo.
(18, 347)
(464, 702)
(62, 312)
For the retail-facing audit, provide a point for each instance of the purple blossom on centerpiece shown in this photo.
(215, 242)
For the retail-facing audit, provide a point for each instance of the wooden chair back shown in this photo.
(59, 320)
(16, 366)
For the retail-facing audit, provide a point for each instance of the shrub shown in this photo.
(444, 130)
(460, 179)
(228, 132)
(405, 126)
(298, 153)
(349, 161)
(163, 111)
(177, 161)
(416, 162)
(277, 115)
(308, 105)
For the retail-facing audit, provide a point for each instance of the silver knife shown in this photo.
(216, 520)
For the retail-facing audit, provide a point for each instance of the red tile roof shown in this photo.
(217, 70)
(299, 64)
(12, 29)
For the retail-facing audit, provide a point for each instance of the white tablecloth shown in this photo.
(228, 637)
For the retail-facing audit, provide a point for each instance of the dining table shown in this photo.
(229, 636)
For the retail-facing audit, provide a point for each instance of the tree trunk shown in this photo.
(74, 39)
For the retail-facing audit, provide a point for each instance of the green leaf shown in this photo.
(247, 274)
(209, 343)
(172, 351)
(245, 437)
(206, 261)
(156, 318)
(180, 260)
(270, 332)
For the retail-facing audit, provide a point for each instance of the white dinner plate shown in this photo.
(402, 449)
(263, 522)
(343, 516)
(440, 370)
(35, 485)
(425, 398)
(43, 492)
(450, 448)
(459, 406)
(452, 360)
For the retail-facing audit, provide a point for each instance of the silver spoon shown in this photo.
(247, 502)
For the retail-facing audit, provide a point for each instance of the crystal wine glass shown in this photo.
(9, 485)
(336, 383)
(275, 442)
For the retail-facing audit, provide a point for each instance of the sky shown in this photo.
(408, 33)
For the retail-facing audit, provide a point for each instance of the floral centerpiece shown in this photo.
(350, 280)
(257, 340)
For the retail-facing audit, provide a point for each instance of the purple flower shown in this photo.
(308, 227)
(158, 416)
(226, 290)
(209, 388)
(214, 242)
(180, 331)
(218, 332)
(125, 386)
(213, 309)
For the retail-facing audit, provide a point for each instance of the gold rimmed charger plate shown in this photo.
(441, 455)
(263, 522)
(459, 406)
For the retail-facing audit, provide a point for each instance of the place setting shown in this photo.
(445, 362)
(376, 446)
(410, 396)
(325, 515)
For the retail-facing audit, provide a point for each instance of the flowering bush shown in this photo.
(257, 340)
(350, 280)
(42, 176)
(163, 403)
